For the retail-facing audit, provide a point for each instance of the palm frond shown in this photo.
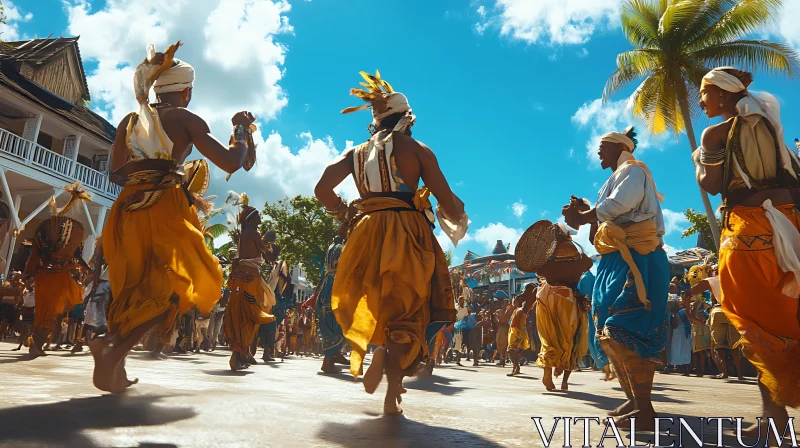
(212, 214)
(741, 18)
(710, 13)
(216, 230)
(676, 19)
(750, 55)
(639, 24)
(631, 65)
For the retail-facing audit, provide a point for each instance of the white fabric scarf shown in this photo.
(786, 240)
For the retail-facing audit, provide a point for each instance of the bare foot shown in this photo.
(645, 420)
(564, 386)
(109, 378)
(547, 380)
(623, 409)
(391, 404)
(374, 373)
(330, 368)
(339, 358)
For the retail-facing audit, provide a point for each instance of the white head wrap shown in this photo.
(180, 76)
(724, 80)
(619, 137)
(754, 103)
(396, 103)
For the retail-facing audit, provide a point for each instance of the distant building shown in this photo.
(49, 139)
(302, 287)
(492, 275)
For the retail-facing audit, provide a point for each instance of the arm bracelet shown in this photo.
(240, 133)
(712, 158)
(339, 212)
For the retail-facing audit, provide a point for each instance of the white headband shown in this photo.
(619, 137)
(180, 76)
(395, 103)
(724, 81)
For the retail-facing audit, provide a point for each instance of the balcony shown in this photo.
(38, 157)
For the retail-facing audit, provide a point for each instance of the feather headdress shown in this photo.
(384, 102)
(375, 92)
(151, 68)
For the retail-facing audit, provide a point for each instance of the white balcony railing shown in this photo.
(37, 156)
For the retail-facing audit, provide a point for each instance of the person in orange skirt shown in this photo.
(745, 159)
(56, 268)
(158, 263)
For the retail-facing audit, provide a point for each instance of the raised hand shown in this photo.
(243, 118)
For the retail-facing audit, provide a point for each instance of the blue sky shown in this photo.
(505, 91)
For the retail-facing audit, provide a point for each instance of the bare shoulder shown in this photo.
(406, 141)
(717, 133)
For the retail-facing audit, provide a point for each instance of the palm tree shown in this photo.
(212, 231)
(677, 42)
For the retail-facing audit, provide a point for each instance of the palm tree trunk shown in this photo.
(712, 217)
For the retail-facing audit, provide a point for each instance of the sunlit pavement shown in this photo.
(195, 401)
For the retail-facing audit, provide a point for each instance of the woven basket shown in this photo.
(59, 235)
(535, 247)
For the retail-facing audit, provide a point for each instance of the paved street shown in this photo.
(194, 401)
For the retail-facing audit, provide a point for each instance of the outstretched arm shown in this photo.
(333, 175)
(230, 158)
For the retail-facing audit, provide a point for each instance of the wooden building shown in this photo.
(49, 138)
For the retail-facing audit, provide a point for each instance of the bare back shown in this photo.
(185, 129)
(249, 244)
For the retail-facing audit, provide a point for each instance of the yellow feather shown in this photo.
(350, 110)
(387, 86)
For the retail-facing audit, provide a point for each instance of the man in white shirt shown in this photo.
(632, 286)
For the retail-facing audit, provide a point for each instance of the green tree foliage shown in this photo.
(699, 225)
(448, 255)
(676, 42)
(304, 231)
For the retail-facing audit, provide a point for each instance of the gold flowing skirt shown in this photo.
(157, 262)
(56, 293)
(751, 284)
(245, 312)
(391, 282)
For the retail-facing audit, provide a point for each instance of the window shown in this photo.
(45, 140)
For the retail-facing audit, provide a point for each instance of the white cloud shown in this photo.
(519, 209)
(674, 221)
(556, 22)
(787, 22)
(239, 65)
(282, 172)
(446, 244)
(488, 235)
(230, 43)
(482, 11)
(583, 53)
(9, 31)
(613, 116)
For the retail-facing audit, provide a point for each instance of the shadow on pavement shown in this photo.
(341, 376)
(599, 401)
(402, 433)
(65, 421)
(435, 383)
(228, 372)
(658, 398)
